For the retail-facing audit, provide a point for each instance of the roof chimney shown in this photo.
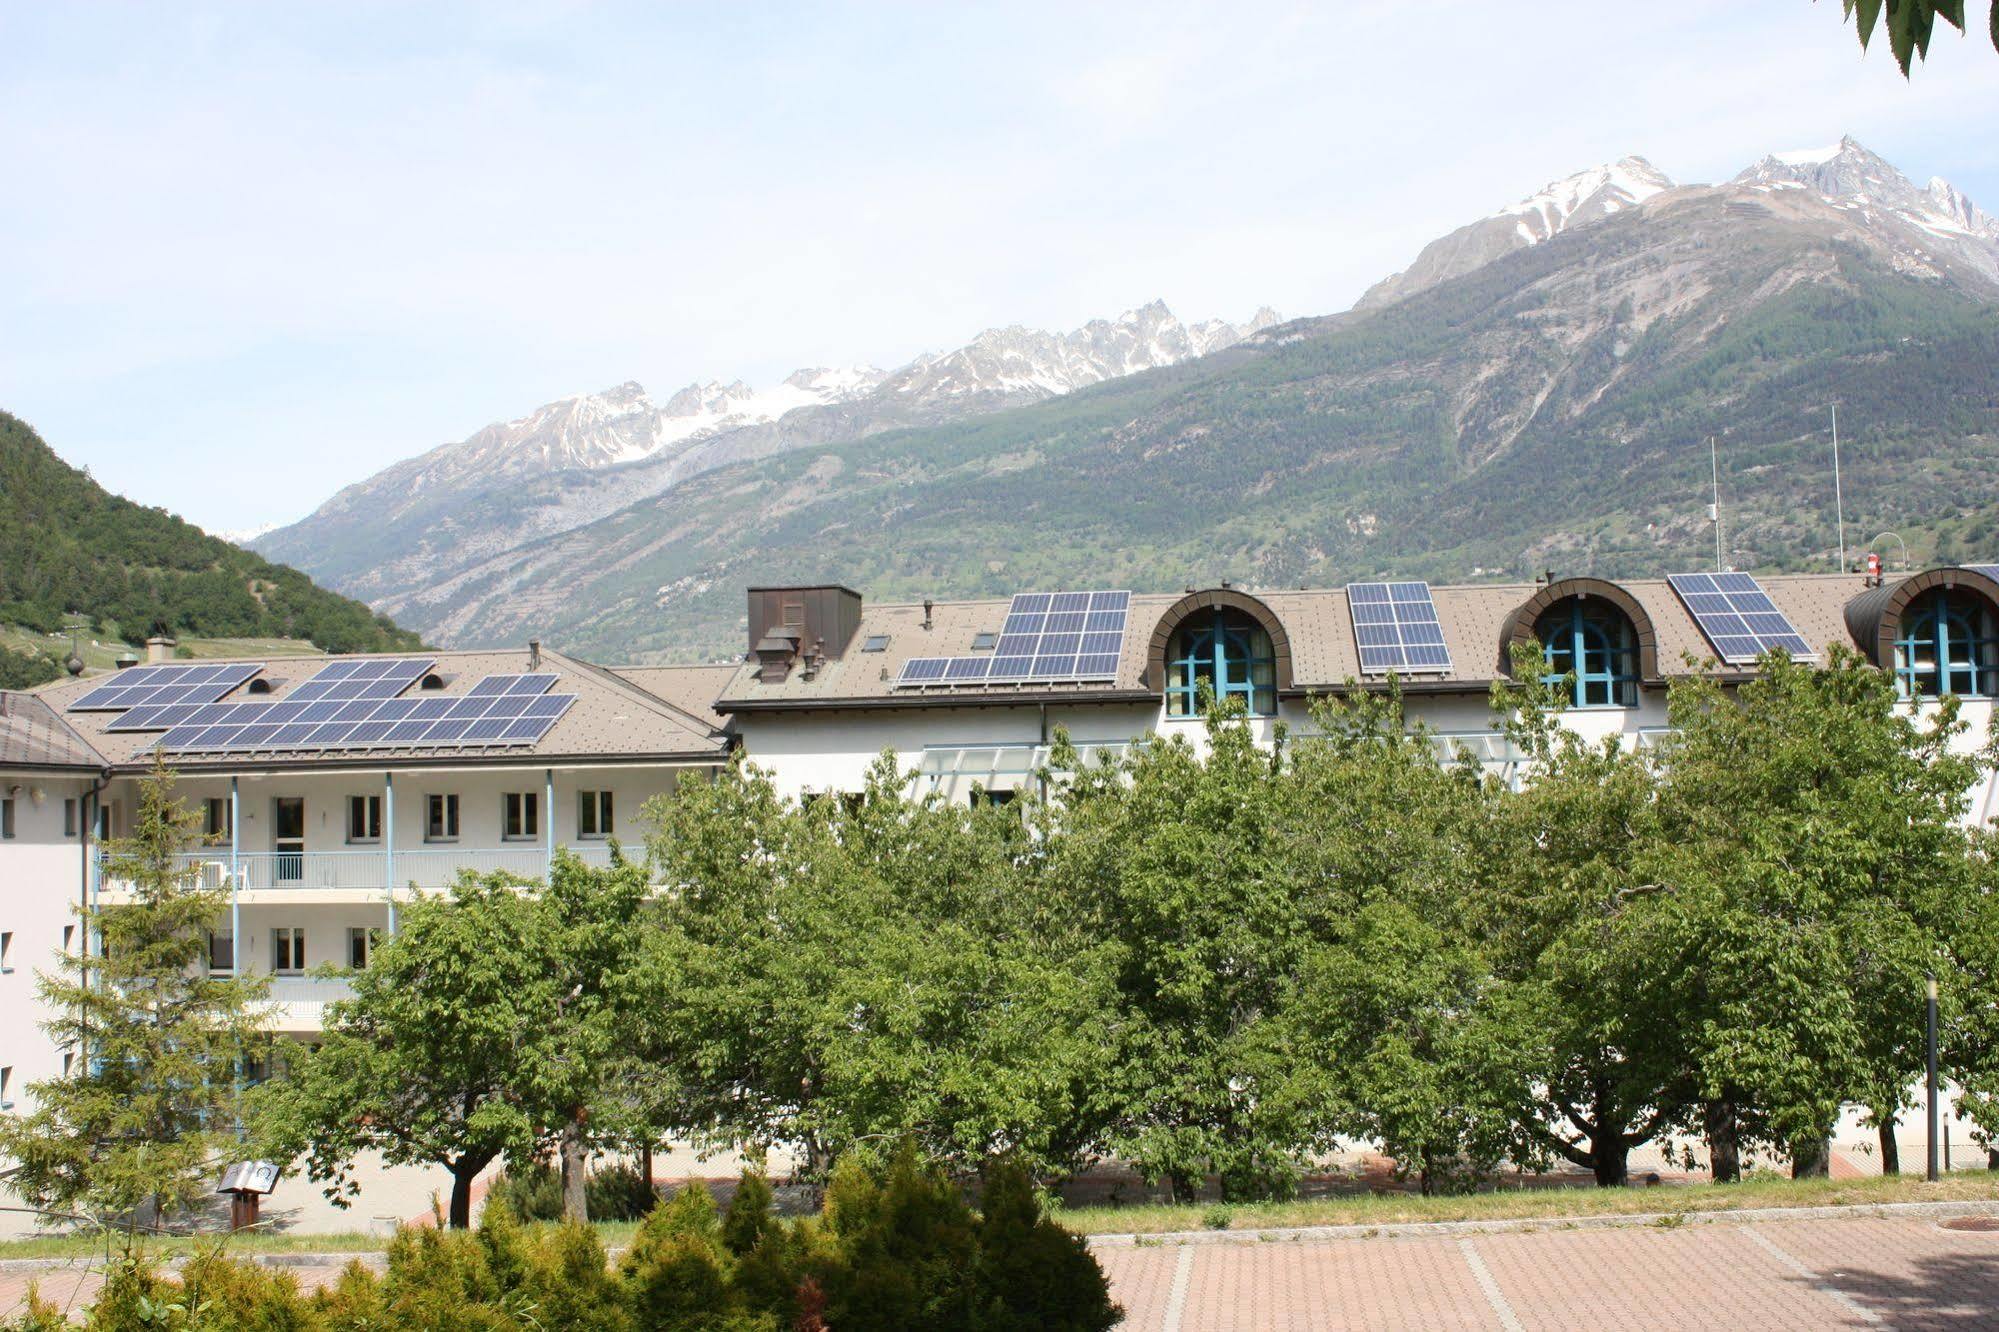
(534, 654)
(782, 620)
(159, 648)
(928, 605)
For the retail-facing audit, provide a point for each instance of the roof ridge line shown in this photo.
(646, 696)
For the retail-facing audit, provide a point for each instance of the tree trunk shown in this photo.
(463, 1172)
(1891, 1151)
(1812, 1160)
(1992, 1158)
(575, 1197)
(1724, 1143)
(645, 1163)
(1182, 1187)
(1612, 1161)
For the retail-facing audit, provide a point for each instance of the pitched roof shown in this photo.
(692, 689)
(1317, 622)
(34, 735)
(612, 720)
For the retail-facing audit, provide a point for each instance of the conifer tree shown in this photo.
(147, 1113)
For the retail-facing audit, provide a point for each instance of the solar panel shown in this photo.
(1046, 637)
(1397, 629)
(1989, 570)
(158, 686)
(498, 710)
(372, 677)
(1738, 616)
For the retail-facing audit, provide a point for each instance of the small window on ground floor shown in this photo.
(520, 816)
(593, 814)
(288, 948)
(361, 941)
(440, 818)
(71, 819)
(364, 818)
(6, 816)
(221, 952)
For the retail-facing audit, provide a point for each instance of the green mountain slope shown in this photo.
(68, 546)
(1548, 410)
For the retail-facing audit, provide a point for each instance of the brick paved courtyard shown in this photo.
(1860, 1271)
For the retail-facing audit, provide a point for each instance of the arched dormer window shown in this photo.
(1595, 640)
(1948, 644)
(1228, 651)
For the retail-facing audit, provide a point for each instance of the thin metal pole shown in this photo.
(548, 823)
(1838, 497)
(389, 843)
(235, 879)
(1930, 1006)
(1714, 463)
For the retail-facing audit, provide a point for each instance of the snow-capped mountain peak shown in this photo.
(1573, 201)
(1585, 196)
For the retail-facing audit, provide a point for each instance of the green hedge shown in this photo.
(896, 1247)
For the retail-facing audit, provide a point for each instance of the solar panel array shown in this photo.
(1989, 570)
(140, 686)
(498, 710)
(1738, 616)
(1048, 637)
(1397, 629)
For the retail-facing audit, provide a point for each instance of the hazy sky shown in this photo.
(250, 254)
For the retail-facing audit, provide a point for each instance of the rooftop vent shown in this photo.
(783, 621)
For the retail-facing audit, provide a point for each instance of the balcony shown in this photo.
(357, 874)
(299, 1003)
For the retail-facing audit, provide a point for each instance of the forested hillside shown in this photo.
(68, 546)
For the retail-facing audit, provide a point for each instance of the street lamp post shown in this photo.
(1930, 1023)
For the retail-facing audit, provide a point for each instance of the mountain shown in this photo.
(68, 545)
(1546, 409)
(1574, 200)
(403, 531)
(1935, 223)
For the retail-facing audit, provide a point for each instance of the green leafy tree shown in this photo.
(1570, 910)
(1910, 24)
(149, 1112)
(1178, 858)
(861, 970)
(445, 1055)
(1821, 871)
(1398, 1031)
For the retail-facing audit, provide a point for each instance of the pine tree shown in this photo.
(147, 1114)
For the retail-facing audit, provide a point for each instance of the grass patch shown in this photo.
(1674, 1202)
(102, 656)
(1533, 1204)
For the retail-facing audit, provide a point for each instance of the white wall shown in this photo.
(40, 884)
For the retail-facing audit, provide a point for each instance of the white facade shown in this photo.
(43, 879)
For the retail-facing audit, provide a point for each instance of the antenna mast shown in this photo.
(1838, 500)
(1714, 509)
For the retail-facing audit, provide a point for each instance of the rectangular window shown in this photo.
(593, 814)
(68, 1061)
(441, 818)
(68, 937)
(6, 816)
(6, 951)
(521, 820)
(288, 948)
(364, 818)
(70, 822)
(221, 952)
(216, 825)
(7, 1087)
(361, 942)
(107, 820)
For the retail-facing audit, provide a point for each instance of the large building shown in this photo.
(331, 788)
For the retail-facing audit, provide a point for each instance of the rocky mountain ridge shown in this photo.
(1530, 410)
(579, 458)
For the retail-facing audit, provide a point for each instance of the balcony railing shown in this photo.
(370, 869)
(301, 1001)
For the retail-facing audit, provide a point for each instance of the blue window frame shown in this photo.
(1591, 639)
(1230, 653)
(1948, 644)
